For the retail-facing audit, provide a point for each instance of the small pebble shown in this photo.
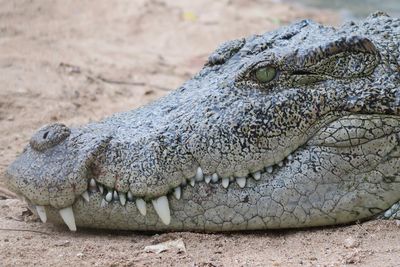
(350, 242)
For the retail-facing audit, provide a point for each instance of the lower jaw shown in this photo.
(212, 208)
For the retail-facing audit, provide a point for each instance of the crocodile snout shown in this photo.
(53, 170)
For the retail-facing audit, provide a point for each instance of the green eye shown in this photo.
(265, 74)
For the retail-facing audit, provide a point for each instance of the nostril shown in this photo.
(49, 136)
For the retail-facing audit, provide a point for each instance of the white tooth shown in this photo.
(177, 192)
(214, 178)
(199, 175)
(68, 216)
(85, 196)
(103, 203)
(257, 176)
(141, 205)
(130, 195)
(115, 195)
(270, 169)
(280, 164)
(101, 188)
(290, 157)
(225, 182)
(192, 182)
(161, 206)
(241, 181)
(92, 185)
(109, 196)
(42, 213)
(207, 179)
(122, 198)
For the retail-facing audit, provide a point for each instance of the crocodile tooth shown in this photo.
(290, 157)
(85, 196)
(214, 178)
(199, 175)
(177, 192)
(109, 196)
(67, 215)
(92, 185)
(130, 195)
(257, 176)
(270, 169)
(161, 206)
(207, 179)
(42, 213)
(225, 182)
(192, 182)
(141, 205)
(122, 198)
(241, 181)
(101, 188)
(103, 203)
(280, 164)
(115, 195)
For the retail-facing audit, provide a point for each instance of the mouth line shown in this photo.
(111, 196)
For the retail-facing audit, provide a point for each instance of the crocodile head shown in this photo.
(296, 127)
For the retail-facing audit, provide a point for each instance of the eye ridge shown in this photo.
(265, 74)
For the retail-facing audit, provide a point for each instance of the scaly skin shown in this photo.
(317, 143)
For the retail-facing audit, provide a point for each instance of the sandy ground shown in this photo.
(80, 61)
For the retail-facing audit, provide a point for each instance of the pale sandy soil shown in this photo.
(78, 61)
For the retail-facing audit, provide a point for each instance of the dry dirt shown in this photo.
(79, 61)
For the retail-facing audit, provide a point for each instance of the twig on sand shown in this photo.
(5, 193)
(24, 230)
(106, 80)
(362, 228)
(101, 78)
(73, 69)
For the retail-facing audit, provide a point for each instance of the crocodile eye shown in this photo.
(265, 74)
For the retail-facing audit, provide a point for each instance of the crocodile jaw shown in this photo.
(321, 183)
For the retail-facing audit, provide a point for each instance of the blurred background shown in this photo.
(350, 9)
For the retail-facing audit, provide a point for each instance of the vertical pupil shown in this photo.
(265, 74)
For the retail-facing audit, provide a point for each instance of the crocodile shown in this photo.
(297, 127)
